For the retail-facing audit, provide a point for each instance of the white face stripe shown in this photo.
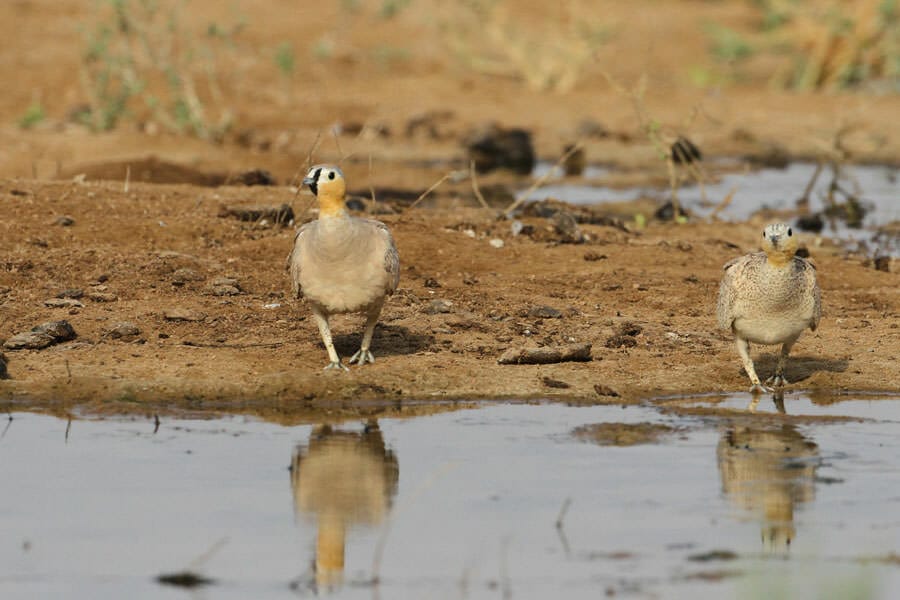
(323, 171)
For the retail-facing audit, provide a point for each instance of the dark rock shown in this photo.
(45, 334)
(75, 293)
(253, 177)
(684, 151)
(125, 331)
(666, 212)
(544, 312)
(605, 390)
(281, 215)
(65, 221)
(493, 147)
(184, 579)
(555, 383)
(431, 282)
(813, 222)
(882, 263)
(770, 156)
(629, 328)
(592, 256)
(4, 374)
(621, 341)
(224, 286)
(565, 224)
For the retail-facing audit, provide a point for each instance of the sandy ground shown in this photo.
(155, 250)
(138, 255)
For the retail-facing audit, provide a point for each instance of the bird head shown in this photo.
(328, 185)
(779, 243)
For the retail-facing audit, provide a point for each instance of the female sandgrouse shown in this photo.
(769, 297)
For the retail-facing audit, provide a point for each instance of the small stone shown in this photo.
(65, 221)
(469, 232)
(125, 331)
(566, 226)
(183, 314)
(555, 383)
(101, 278)
(544, 312)
(45, 334)
(63, 303)
(75, 293)
(882, 263)
(629, 328)
(225, 281)
(439, 306)
(102, 297)
(605, 390)
(621, 341)
(496, 243)
(592, 256)
(4, 374)
(431, 282)
(184, 275)
(224, 290)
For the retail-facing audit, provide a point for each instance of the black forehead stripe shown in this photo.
(314, 186)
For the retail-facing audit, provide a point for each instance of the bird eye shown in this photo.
(331, 176)
(790, 233)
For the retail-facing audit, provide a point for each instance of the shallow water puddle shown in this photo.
(513, 500)
(878, 188)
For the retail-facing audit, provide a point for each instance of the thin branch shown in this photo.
(542, 179)
(475, 189)
(428, 191)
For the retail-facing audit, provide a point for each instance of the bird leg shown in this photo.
(743, 347)
(778, 380)
(325, 331)
(363, 355)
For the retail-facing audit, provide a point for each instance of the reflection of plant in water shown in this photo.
(140, 59)
(486, 36)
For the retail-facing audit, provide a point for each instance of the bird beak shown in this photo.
(774, 239)
(308, 180)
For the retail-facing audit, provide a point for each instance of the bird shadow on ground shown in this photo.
(799, 368)
(389, 340)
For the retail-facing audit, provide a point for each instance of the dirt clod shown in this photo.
(183, 314)
(605, 390)
(554, 383)
(125, 331)
(45, 334)
(546, 355)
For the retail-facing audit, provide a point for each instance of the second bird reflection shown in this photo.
(770, 472)
(342, 479)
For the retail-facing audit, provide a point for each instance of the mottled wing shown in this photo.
(293, 259)
(727, 291)
(391, 256)
(809, 270)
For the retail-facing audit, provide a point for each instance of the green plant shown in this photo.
(727, 45)
(140, 61)
(284, 58)
(391, 8)
(34, 114)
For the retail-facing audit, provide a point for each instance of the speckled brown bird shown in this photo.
(769, 297)
(341, 263)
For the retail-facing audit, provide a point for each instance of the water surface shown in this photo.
(456, 505)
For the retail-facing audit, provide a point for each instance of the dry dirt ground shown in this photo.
(155, 248)
(144, 254)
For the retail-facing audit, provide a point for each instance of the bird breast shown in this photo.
(342, 265)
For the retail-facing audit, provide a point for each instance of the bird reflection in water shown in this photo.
(342, 478)
(768, 470)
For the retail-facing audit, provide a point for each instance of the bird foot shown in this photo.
(758, 388)
(777, 381)
(362, 357)
(335, 365)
